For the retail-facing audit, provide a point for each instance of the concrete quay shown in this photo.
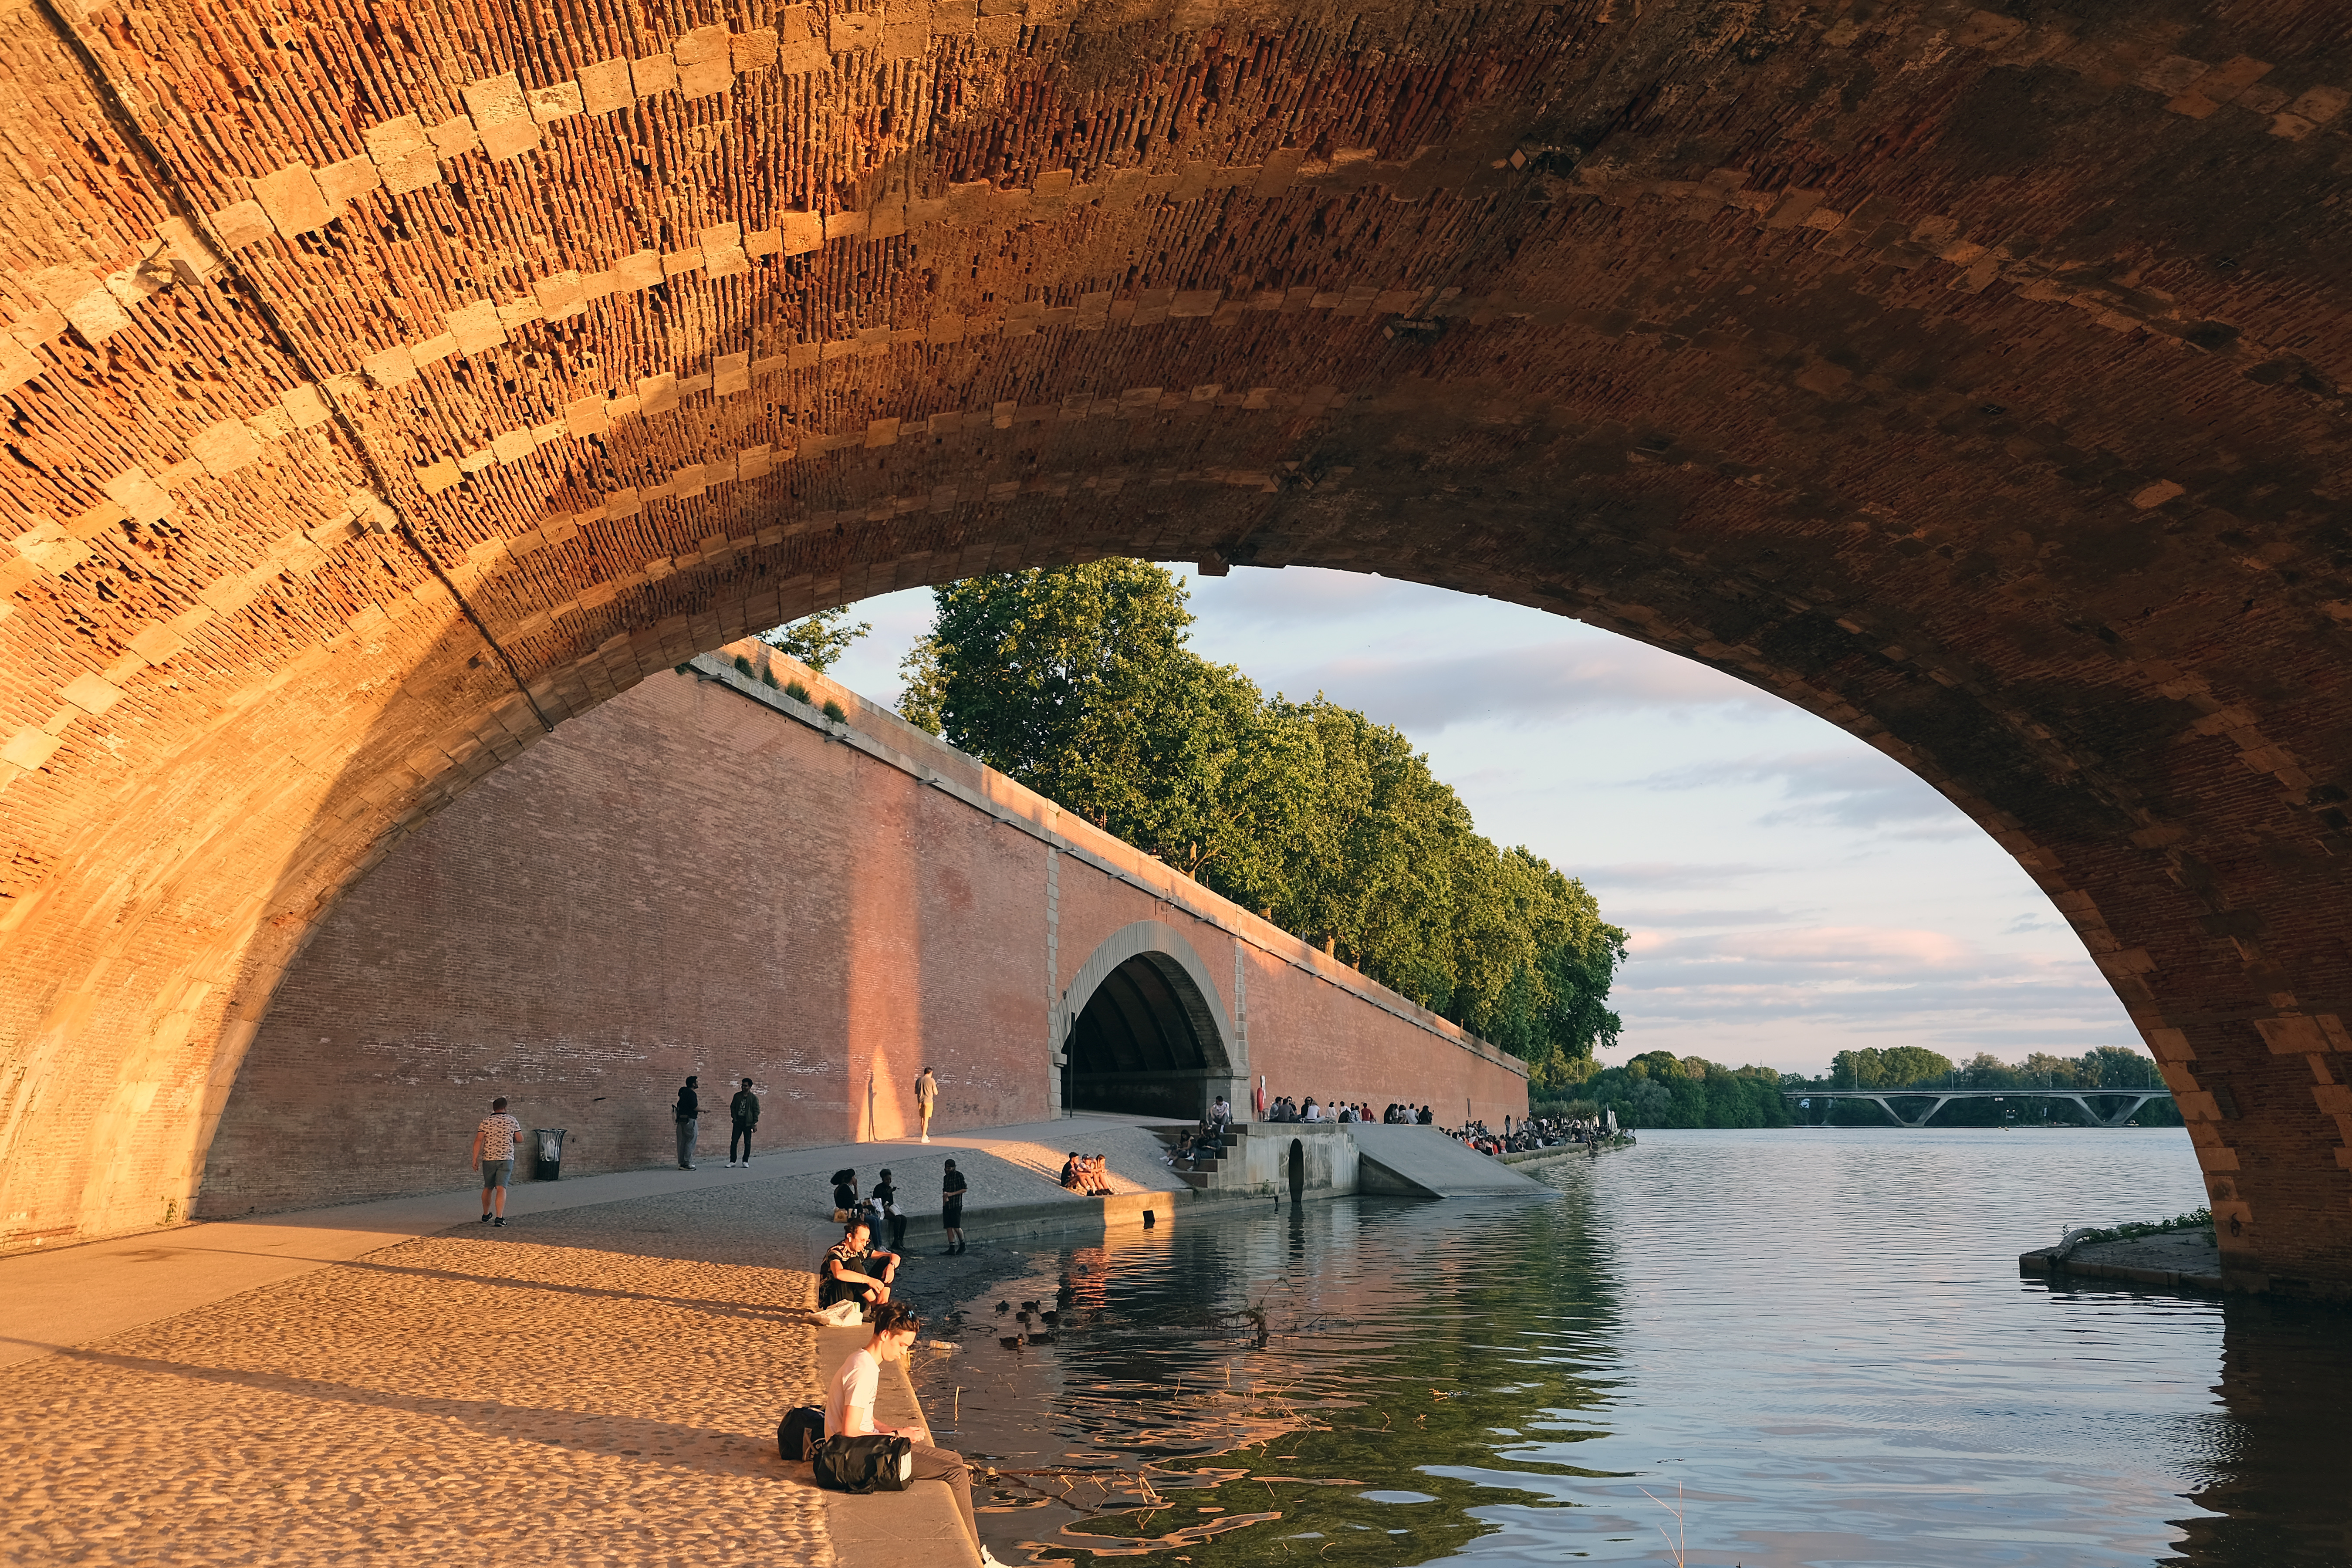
(2174, 1260)
(596, 1383)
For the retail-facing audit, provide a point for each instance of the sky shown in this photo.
(1788, 892)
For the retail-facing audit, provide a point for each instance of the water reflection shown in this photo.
(1812, 1346)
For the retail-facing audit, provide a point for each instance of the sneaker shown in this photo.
(500, 1221)
(486, 1219)
(988, 1559)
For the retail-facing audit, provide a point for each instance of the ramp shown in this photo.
(1422, 1161)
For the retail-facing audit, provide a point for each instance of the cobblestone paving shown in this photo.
(453, 1400)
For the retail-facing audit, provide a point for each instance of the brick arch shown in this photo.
(1179, 983)
(1973, 381)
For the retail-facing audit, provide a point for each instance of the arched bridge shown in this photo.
(1884, 1098)
(387, 388)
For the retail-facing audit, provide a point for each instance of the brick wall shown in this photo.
(704, 877)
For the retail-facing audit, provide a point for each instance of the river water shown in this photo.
(1803, 1346)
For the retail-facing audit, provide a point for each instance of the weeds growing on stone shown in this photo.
(2195, 1219)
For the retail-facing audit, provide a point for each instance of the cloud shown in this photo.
(1674, 874)
(1819, 987)
(1699, 918)
(1849, 787)
(1537, 682)
(1303, 595)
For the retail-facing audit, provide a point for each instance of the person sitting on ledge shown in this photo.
(1097, 1177)
(1070, 1174)
(849, 1412)
(854, 1272)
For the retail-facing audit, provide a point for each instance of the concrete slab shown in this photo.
(53, 1300)
(1424, 1161)
(2176, 1260)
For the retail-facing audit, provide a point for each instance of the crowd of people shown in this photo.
(1542, 1132)
(1284, 1109)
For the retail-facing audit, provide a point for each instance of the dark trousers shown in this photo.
(897, 1233)
(743, 1134)
(947, 1465)
(685, 1141)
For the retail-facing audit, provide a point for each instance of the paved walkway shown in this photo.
(597, 1382)
(50, 1300)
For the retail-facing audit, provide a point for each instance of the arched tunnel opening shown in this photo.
(1136, 1047)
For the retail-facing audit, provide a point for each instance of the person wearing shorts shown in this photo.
(494, 1152)
(951, 1190)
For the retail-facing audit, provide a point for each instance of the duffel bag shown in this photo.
(799, 1433)
(872, 1463)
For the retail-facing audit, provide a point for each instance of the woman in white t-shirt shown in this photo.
(849, 1410)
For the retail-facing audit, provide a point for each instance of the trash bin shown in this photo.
(549, 1163)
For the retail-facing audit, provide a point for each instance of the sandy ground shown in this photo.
(551, 1394)
(588, 1385)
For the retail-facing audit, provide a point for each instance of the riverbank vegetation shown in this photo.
(2107, 1069)
(1658, 1089)
(1078, 682)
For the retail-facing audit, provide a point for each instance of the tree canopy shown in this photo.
(1078, 682)
(818, 641)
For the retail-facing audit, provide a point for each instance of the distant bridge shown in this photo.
(1943, 1097)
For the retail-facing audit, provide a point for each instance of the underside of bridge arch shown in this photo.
(386, 387)
(1146, 1043)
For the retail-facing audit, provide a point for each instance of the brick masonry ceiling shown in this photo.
(388, 385)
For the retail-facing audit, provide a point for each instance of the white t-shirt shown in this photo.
(854, 1384)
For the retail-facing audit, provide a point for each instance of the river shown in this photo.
(1802, 1346)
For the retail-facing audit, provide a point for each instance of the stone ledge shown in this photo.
(886, 1529)
(2173, 1260)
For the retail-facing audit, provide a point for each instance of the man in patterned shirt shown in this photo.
(494, 1145)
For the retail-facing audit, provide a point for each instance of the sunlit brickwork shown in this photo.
(387, 386)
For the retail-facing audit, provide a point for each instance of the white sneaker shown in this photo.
(988, 1559)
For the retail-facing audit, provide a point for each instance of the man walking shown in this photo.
(927, 1099)
(743, 1112)
(686, 1111)
(494, 1144)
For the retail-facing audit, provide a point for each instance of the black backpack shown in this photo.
(867, 1464)
(799, 1433)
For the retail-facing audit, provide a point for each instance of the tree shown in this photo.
(1077, 683)
(1892, 1069)
(820, 640)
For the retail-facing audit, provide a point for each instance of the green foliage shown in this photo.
(2195, 1219)
(1658, 1089)
(1079, 683)
(1872, 1068)
(768, 678)
(836, 711)
(2107, 1068)
(796, 690)
(742, 665)
(819, 641)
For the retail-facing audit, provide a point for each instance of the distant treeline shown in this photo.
(1076, 681)
(1661, 1089)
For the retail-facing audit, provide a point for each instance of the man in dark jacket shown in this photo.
(686, 1111)
(743, 1112)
